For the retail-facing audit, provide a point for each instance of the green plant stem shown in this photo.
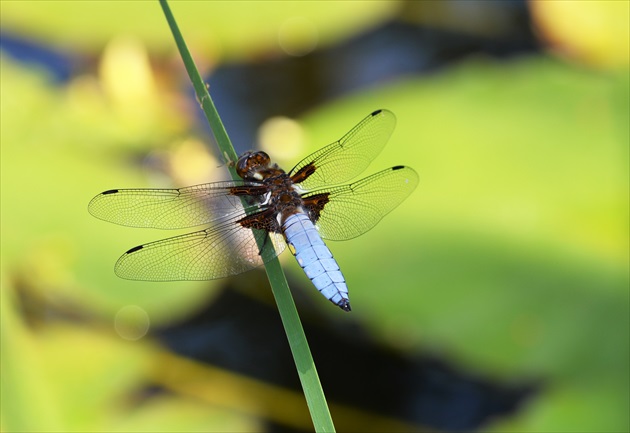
(304, 363)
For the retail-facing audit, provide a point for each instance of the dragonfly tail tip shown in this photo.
(345, 305)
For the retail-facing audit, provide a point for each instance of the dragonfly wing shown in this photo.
(175, 208)
(347, 211)
(226, 249)
(349, 156)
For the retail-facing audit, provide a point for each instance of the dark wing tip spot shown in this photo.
(134, 249)
(110, 191)
(374, 113)
(398, 167)
(345, 305)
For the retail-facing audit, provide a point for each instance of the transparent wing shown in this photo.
(172, 208)
(350, 155)
(226, 249)
(348, 211)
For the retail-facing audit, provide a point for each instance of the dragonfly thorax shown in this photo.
(284, 198)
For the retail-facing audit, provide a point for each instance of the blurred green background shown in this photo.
(508, 263)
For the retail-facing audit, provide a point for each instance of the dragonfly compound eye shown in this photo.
(251, 162)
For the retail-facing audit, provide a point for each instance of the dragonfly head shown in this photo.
(254, 166)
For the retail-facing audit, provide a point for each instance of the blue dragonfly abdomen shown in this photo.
(315, 258)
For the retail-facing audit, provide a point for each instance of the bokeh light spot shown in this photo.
(281, 137)
(125, 71)
(131, 322)
(191, 163)
(298, 36)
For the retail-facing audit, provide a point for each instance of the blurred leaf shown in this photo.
(224, 29)
(570, 408)
(512, 255)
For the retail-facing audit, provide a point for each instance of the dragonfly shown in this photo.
(248, 222)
